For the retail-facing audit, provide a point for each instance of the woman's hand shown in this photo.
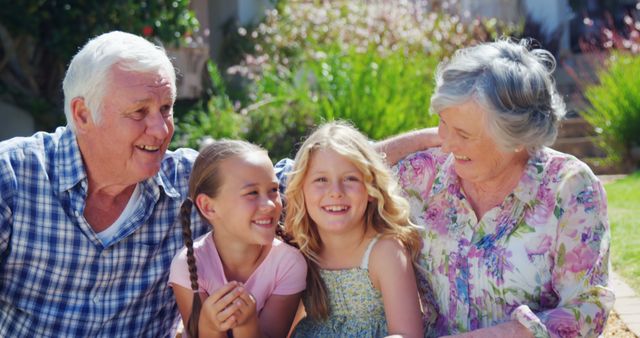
(508, 329)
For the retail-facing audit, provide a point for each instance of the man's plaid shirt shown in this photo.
(56, 278)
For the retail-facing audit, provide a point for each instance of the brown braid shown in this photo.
(285, 236)
(205, 179)
(185, 220)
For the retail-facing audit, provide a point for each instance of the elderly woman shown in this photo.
(516, 238)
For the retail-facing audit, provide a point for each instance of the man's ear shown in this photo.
(206, 206)
(80, 114)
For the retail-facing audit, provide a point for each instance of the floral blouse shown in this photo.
(540, 258)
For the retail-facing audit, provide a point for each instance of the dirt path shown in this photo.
(616, 328)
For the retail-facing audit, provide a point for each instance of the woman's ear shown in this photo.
(206, 206)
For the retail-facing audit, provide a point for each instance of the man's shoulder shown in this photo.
(179, 160)
(35, 144)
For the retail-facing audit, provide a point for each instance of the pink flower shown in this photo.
(436, 220)
(563, 324)
(541, 248)
(422, 164)
(580, 258)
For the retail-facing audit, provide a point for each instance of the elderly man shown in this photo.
(88, 213)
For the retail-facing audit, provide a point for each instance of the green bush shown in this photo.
(39, 37)
(214, 117)
(615, 105)
(370, 63)
(381, 94)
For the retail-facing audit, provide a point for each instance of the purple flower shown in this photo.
(563, 324)
(585, 198)
(422, 164)
(543, 209)
(600, 320)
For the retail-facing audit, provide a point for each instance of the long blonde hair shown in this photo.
(387, 213)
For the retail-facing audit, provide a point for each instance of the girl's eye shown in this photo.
(253, 192)
(320, 179)
(352, 179)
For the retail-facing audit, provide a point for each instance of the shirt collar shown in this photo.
(68, 161)
(531, 180)
(71, 170)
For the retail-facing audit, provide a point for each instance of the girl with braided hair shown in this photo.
(239, 279)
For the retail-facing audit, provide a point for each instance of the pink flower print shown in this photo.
(436, 220)
(542, 209)
(554, 168)
(539, 247)
(563, 324)
(422, 165)
(581, 258)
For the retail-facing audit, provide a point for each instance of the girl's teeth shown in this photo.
(263, 222)
(336, 208)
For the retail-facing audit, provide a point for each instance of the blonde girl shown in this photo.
(345, 213)
(238, 280)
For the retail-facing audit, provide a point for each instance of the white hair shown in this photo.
(512, 83)
(89, 71)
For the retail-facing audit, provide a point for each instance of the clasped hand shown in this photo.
(230, 307)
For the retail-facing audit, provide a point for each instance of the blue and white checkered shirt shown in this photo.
(56, 278)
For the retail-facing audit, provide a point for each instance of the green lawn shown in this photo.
(624, 216)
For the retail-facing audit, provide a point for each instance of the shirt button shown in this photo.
(96, 299)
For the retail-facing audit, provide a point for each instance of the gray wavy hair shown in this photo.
(89, 70)
(513, 83)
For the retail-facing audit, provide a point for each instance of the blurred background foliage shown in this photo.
(614, 107)
(39, 37)
(609, 86)
(371, 63)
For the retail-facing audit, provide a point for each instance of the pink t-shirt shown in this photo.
(282, 272)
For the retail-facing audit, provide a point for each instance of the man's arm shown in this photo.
(397, 147)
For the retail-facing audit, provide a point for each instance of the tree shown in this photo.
(38, 38)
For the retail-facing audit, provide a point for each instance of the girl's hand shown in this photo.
(220, 309)
(246, 315)
(245, 305)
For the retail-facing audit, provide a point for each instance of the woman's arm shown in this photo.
(581, 259)
(391, 272)
(580, 269)
(399, 146)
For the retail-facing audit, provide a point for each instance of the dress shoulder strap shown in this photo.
(365, 258)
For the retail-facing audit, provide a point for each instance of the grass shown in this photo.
(623, 197)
